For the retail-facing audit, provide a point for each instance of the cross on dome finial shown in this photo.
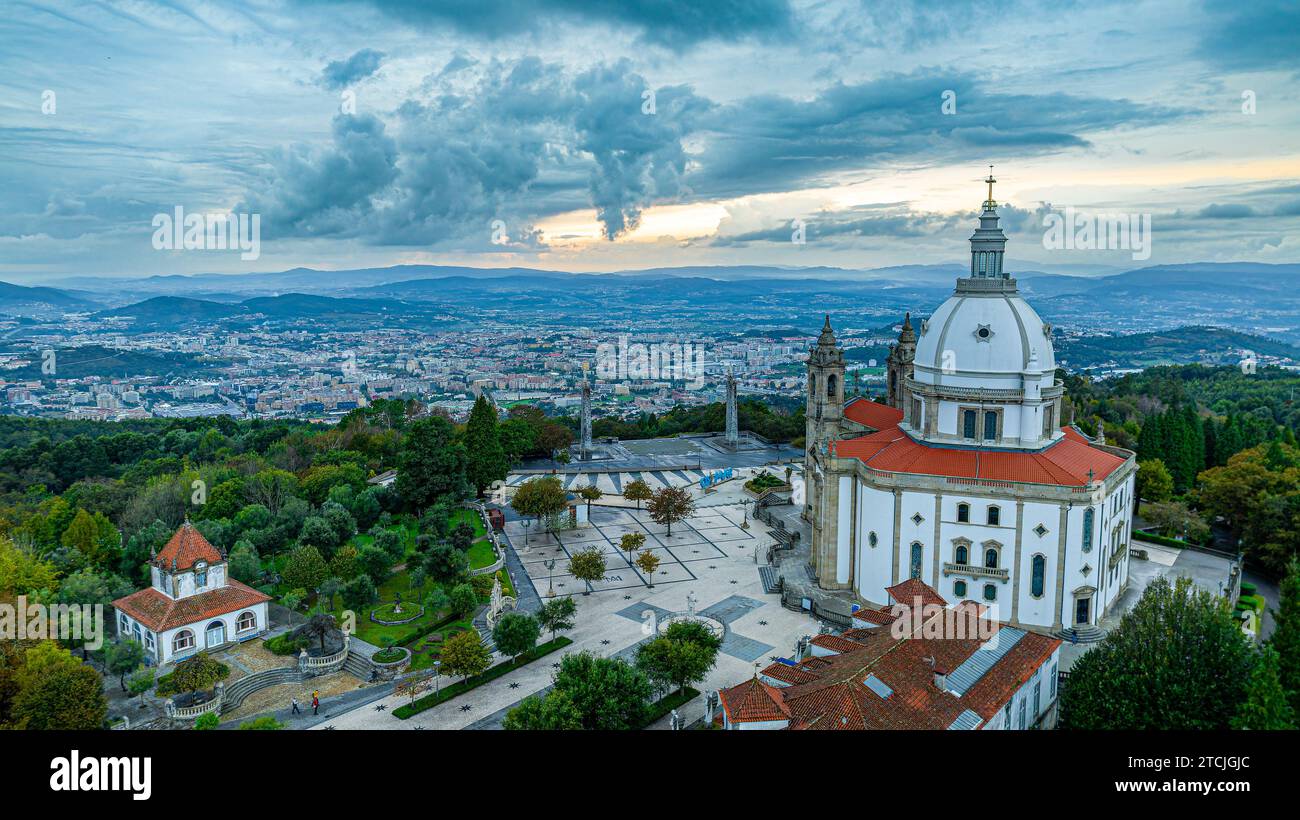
(990, 203)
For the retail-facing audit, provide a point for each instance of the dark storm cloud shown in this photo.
(343, 73)
(673, 23)
(1217, 211)
(895, 220)
(1252, 35)
(770, 142)
(529, 141)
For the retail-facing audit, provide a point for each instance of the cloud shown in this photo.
(343, 73)
(675, 24)
(1217, 211)
(1259, 35)
(770, 142)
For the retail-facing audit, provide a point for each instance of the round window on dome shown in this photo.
(983, 333)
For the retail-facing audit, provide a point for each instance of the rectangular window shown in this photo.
(968, 424)
(990, 425)
(1038, 691)
(1020, 716)
(916, 414)
(1052, 684)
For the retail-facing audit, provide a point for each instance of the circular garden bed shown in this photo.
(392, 656)
(388, 615)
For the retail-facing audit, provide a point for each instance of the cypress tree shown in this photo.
(1266, 705)
(486, 458)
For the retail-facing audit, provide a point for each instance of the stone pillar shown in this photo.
(733, 429)
(585, 443)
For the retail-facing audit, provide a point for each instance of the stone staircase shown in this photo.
(771, 581)
(236, 692)
(1082, 633)
(485, 632)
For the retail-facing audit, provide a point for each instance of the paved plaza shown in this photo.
(709, 556)
(695, 548)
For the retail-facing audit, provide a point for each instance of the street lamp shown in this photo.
(550, 579)
(437, 678)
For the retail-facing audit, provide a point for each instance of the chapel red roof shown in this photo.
(186, 547)
(160, 613)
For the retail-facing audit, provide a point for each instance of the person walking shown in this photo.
(315, 703)
(296, 710)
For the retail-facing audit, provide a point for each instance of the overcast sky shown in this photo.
(615, 134)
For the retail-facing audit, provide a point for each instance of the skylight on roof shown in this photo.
(878, 686)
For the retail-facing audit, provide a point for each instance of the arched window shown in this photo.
(959, 588)
(201, 574)
(991, 558)
(1037, 575)
(916, 559)
(184, 640)
(963, 513)
(812, 383)
(1087, 529)
(830, 386)
(961, 555)
(246, 621)
(995, 516)
(990, 592)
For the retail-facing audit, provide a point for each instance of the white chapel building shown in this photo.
(191, 605)
(965, 478)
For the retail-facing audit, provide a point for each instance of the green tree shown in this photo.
(589, 494)
(638, 491)
(1265, 706)
(683, 655)
(94, 536)
(122, 657)
(557, 614)
(245, 566)
(1178, 660)
(462, 600)
(446, 565)
(538, 498)
(648, 563)
(55, 690)
(1154, 483)
(588, 565)
(464, 654)
(631, 542)
(140, 682)
(609, 694)
(1286, 633)
(515, 633)
(206, 722)
(670, 505)
(430, 465)
(553, 712)
(358, 593)
(330, 588)
(197, 673)
(485, 457)
(305, 568)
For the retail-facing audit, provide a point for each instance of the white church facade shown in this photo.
(965, 478)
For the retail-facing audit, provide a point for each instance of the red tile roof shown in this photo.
(186, 547)
(1065, 463)
(871, 414)
(753, 700)
(160, 613)
(906, 593)
(831, 693)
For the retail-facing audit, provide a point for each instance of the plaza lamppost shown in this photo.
(550, 578)
(437, 678)
(744, 505)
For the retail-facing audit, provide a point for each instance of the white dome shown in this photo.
(984, 340)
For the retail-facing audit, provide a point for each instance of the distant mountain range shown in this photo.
(1259, 299)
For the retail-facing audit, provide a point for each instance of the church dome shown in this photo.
(984, 371)
(981, 336)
